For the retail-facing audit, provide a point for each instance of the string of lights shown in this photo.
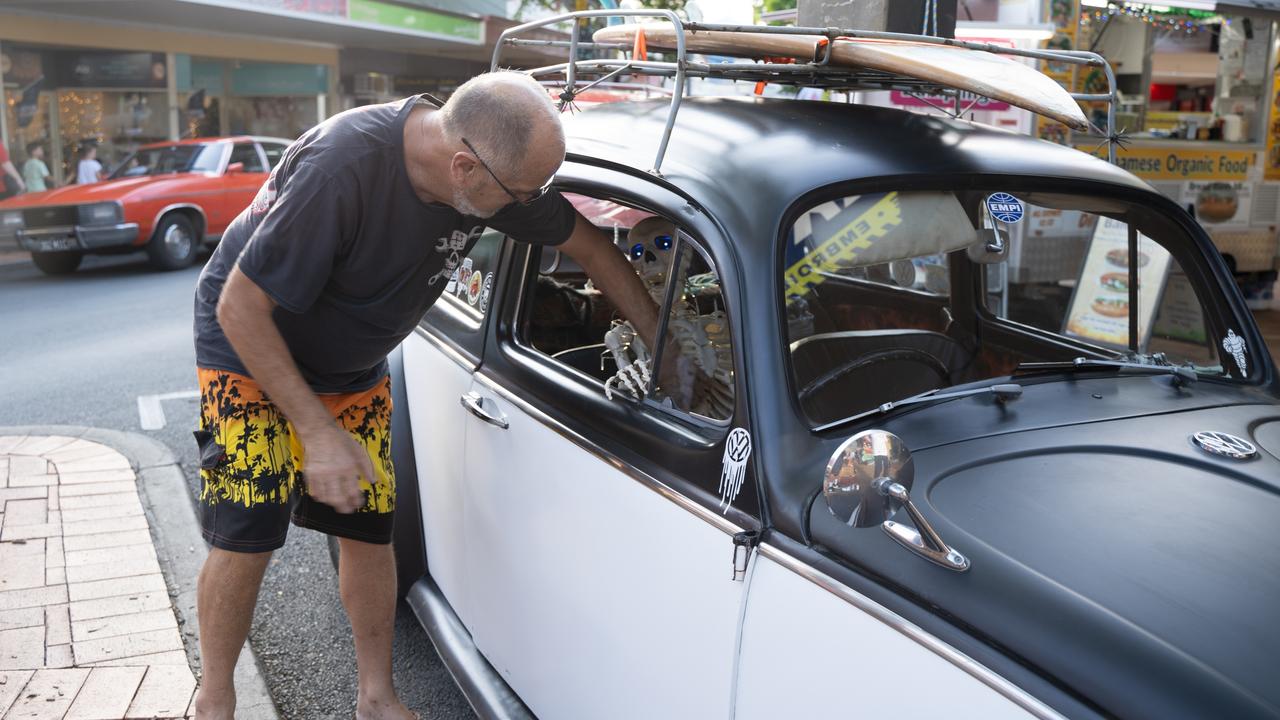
(1163, 17)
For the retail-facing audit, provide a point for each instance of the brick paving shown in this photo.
(87, 627)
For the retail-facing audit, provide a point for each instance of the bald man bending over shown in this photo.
(354, 235)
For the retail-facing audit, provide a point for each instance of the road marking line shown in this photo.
(151, 412)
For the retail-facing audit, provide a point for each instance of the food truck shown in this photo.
(1199, 111)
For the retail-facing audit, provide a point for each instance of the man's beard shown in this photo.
(464, 206)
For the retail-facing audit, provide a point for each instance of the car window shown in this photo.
(1068, 273)
(169, 159)
(870, 321)
(274, 152)
(472, 283)
(571, 321)
(247, 153)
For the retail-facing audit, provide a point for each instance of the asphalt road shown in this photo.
(80, 350)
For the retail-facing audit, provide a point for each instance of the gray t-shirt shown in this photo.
(351, 255)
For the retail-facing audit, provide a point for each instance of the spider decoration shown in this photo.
(705, 363)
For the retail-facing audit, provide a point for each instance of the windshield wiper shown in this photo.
(1153, 365)
(1004, 392)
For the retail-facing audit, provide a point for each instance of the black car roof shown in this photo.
(757, 155)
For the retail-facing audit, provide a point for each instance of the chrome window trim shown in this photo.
(716, 520)
(972, 667)
(466, 313)
(449, 351)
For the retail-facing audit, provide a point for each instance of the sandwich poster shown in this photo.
(1099, 309)
(1219, 205)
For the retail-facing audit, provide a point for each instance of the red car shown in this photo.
(166, 198)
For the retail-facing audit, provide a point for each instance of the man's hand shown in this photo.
(333, 466)
(333, 462)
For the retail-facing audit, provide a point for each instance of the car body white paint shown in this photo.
(595, 596)
(808, 653)
(433, 382)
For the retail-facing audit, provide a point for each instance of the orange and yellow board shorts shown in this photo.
(252, 463)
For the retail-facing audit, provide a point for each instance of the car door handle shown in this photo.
(475, 405)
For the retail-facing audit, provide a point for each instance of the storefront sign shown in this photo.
(398, 16)
(253, 79)
(1100, 306)
(1171, 163)
(111, 70)
(318, 7)
(968, 101)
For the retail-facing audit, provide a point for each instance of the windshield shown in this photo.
(170, 159)
(893, 294)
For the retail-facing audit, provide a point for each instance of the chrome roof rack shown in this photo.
(578, 75)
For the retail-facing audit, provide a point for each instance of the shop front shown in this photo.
(71, 84)
(70, 100)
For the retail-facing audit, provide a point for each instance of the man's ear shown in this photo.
(461, 165)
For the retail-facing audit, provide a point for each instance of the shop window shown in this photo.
(281, 117)
(117, 122)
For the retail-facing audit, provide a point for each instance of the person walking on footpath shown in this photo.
(351, 239)
(34, 171)
(89, 170)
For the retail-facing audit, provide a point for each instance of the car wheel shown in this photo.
(57, 263)
(173, 245)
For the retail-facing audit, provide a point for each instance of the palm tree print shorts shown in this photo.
(251, 464)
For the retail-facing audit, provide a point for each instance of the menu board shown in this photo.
(1099, 309)
(1219, 205)
(1181, 317)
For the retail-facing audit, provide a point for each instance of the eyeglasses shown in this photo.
(532, 197)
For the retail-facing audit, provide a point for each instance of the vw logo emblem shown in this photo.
(1220, 443)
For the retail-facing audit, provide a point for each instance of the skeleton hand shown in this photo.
(633, 375)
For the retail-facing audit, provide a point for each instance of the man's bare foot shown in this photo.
(389, 708)
(215, 706)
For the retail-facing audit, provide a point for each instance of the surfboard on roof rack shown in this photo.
(831, 58)
(985, 73)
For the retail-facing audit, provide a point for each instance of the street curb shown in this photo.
(178, 543)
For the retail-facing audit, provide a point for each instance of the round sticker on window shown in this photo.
(1005, 207)
(473, 287)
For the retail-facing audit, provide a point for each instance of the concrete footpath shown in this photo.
(99, 553)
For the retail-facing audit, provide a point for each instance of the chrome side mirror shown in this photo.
(992, 246)
(867, 482)
(857, 473)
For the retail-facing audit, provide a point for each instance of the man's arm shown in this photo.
(334, 461)
(609, 270)
(12, 172)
